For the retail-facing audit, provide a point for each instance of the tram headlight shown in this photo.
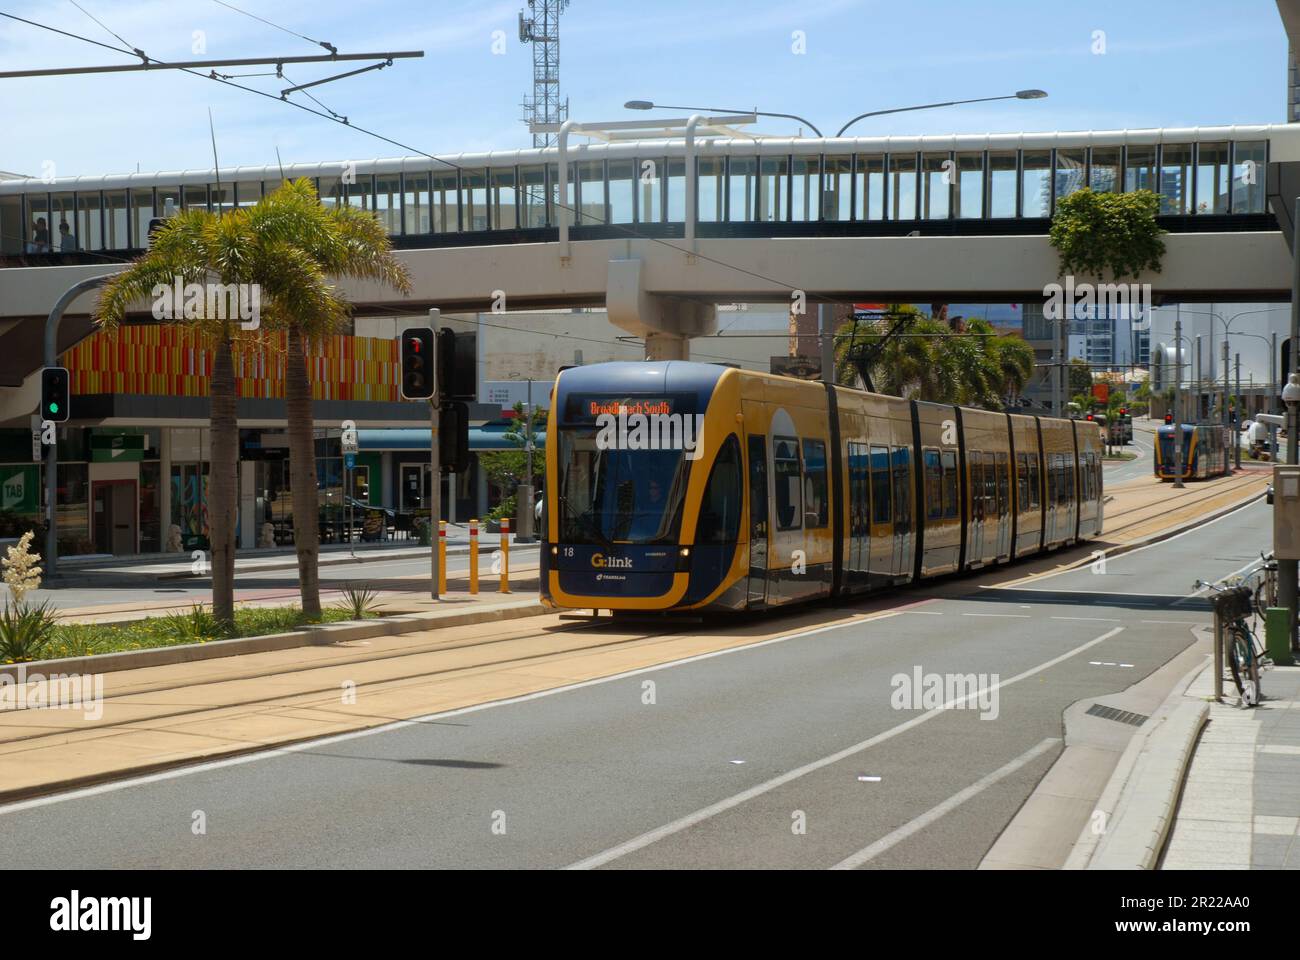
(686, 551)
(555, 551)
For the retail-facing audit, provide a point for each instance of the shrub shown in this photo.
(25, 632)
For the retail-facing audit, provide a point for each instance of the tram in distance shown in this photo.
(1206, 451)
(793, 491)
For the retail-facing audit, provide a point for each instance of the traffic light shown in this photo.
(1090, 416)
(456, 366)
(453, 434)
(1169, 418)
(417, 363)
(55, 394)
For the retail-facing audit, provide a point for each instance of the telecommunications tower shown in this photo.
(542, 30)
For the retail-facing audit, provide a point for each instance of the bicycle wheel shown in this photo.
(1242, 663)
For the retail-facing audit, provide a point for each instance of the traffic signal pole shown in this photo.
(51, 558)
(435, 462)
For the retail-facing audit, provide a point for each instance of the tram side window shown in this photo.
(720, 509)
(816, 504)
(1035, 488)
(1022, 482)
(902, 489)
(933, 484)
(785, 474)
(881, 505)
(949, 484)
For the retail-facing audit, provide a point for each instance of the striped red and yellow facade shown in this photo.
(175, 361)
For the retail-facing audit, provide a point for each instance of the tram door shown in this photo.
(902, 511)
(975, 551)
(758, 519)
(1004, 505)
(881, 545)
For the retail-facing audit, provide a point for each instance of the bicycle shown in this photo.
(1264, 581)
(1234, 605)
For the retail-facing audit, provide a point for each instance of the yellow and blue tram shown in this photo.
(1206, 451)
(793, 490)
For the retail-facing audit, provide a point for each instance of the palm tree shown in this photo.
(296, 247)
(903, 365)
(289, 248)
(194, 246)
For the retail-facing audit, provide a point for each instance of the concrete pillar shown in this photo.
(666, 346)
(248, 518)
(164, 485)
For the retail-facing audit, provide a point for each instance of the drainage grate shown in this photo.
(1120, 716)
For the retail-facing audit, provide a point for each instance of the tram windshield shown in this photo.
(609, 496)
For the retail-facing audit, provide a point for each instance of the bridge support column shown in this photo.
(666, 323)
(666, 346)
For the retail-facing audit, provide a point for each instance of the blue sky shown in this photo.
(1166, 63)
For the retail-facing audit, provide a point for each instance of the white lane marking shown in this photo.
(928, 613)
(1124, 556)
(699, 816)
(869, 779)
(1176, 623)
(185, 771)
(952, 803)
(1098, 619)
(1017, 616)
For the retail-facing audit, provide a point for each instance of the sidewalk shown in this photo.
(1240, 806)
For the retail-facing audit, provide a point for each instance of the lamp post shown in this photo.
(1018, 95)
(651, 105)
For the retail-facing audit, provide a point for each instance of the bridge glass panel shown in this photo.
(173, 194)
(1176, 178)
(1002, 184)
(504, 199)
(532, 197)
(805, 188)
(565, 206)
(268, 187)
(88, 228)
(622, 191)
(968, 186)
(37, 224)
(1212, 178)
(361, 192)
(1036, 184)
(676, 187)
(902, 186)
(444, 202)
(415, 203)
(11, 224)
(115, 220)
(331, 191)
(474, 209)
(388, 202)
(1248, 176)
(936, 177)
(141, 214)
(1140, 170)
(773, 193)
(742, 188)
(869, 182)
(63, 209)
(649, 188)
(837, 189)
(246, 194)
(195, 197)
(591, 184)
(1071, 166)
(1104, 175)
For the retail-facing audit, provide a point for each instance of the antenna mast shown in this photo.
(542, 30)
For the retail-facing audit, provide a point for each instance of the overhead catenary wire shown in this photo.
(630, 232)
(292, 33)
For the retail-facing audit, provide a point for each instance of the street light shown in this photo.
(1018, 95)
(651, 105)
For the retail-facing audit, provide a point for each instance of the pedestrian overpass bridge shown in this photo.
(620, 224)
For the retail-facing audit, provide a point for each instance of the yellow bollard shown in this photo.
(442, 558)
(473, 556)
(505, 554)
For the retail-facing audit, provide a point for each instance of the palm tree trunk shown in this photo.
(222, 493)
(302, 473)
